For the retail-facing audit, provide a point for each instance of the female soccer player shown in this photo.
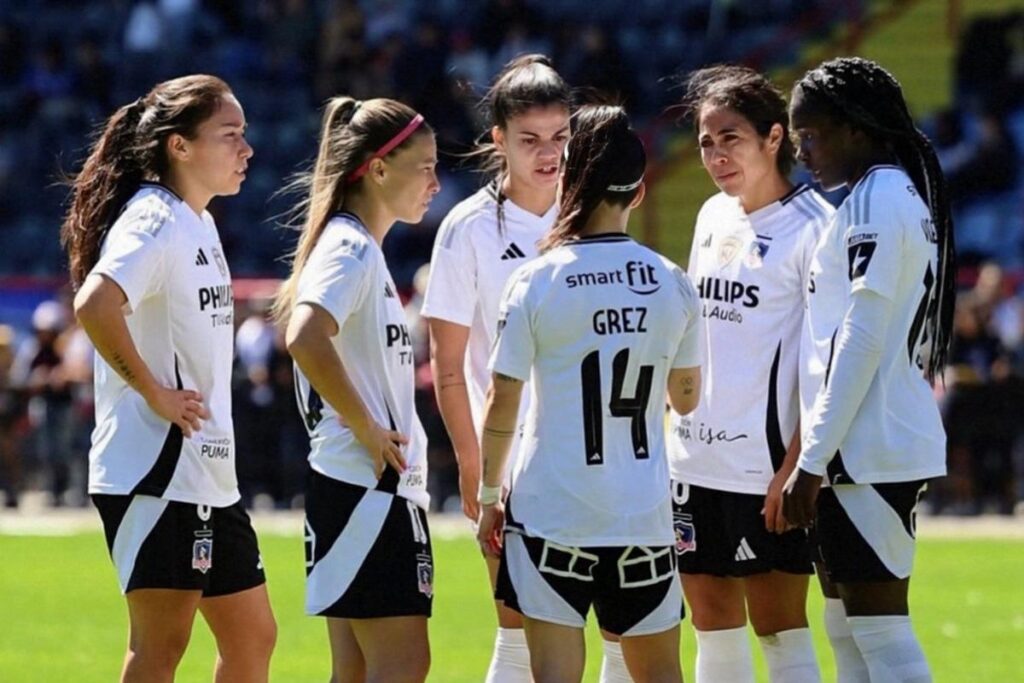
(155, 299)
(731, 456)
(481, 242)
(369, 567)
(876, 331)
(601, 326)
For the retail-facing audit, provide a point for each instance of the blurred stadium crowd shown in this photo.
(65, 65)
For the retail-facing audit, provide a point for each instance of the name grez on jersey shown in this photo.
(217, 297)
(725, 291)
(399, 334)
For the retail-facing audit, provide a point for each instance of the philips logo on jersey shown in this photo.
(218, 297)
(728, 291)
(638, 278)
(399, 335)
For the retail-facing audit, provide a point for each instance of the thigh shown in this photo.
(161, 618)
(238, 566)
(347, 663)
(155, 543)
(776, 601)
(875, 598)
(636, 590)
(240, 620)
(557, 651)
(716, 602)
(393, 648)
(368, 553)
(653, 657)
(507, 617)
(546, 581)
(866, 531)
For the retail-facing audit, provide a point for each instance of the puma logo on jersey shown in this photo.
(513, 252)
(744, 552)
(201, 259)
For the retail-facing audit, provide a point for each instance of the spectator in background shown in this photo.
(989, 167)
(10, 462)
(38, 372)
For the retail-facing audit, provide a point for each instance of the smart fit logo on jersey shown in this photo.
(399, 334)
(638, 278)
(217, 297)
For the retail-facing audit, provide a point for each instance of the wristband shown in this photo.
(488, 495)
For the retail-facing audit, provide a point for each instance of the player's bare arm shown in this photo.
(98, 309)
(309, 342)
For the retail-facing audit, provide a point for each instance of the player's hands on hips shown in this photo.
(181, 407)
(800, 497)
(384, 445)
(490, 528)
(774, 520)
(469, 483)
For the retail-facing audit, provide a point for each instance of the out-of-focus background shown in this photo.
(66, 64)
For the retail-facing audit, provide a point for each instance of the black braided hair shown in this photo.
(861, 93)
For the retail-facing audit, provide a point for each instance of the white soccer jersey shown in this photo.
(169, 263)
(473, 259)
(881, 239)
(595, 326)
(750, 271)
(346, 276)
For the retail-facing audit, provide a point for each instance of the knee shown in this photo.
(256, 643)
(158, 653)
(770, 622)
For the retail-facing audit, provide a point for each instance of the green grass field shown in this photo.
(63, 619)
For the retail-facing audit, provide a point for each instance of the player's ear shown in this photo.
(377, 170)
(498, 135)
(775, 136)
(177, 147)
(641, 192)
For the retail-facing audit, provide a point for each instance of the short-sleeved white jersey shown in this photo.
(882, 239)
(169, 262)
(595, 326)
(347, 276)
(474, 256)
(750, 271)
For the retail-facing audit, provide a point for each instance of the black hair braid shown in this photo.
(868, 97)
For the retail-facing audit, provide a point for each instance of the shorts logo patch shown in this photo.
(425, 574)
(686, 534)
(202, 554)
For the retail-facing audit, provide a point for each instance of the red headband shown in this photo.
(409, 129)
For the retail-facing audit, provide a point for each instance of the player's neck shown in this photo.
(377, 219)
(606, 218)
(537, 202)
(193, 195)
(768, 192)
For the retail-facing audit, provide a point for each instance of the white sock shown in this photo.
(510, 662)
(724, 656)
(850, 666)
(890, 649)
(790, 657)
(613, 666)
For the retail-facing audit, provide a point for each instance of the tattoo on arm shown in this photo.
(687, 386)
(122, 368)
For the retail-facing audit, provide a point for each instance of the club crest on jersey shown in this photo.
(425, 575)
(755, 256)
(686, 534)
(202, 554)
(218, 258)
(728, 248)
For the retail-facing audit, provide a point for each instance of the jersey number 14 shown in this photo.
(634, 407)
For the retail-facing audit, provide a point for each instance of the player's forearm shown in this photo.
(500, 417)
(453, 402)
(854, 365)
(326, 373)
(98, 310)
